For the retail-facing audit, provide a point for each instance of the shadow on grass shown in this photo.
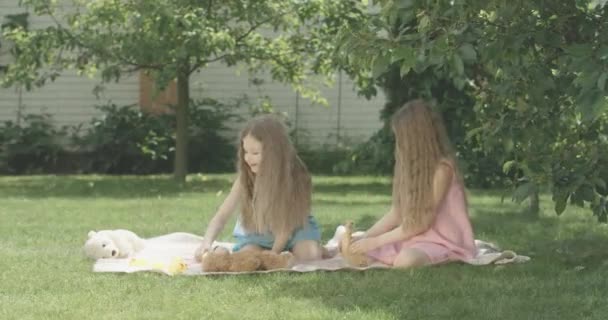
(560, 247)
(149, 186)
(106, 186)
(350, 202)
(372, 188)
(572, 242)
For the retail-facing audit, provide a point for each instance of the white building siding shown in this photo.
(351, 117)
(70, 98)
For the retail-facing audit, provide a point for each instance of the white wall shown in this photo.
(353, 118)
(70, 99)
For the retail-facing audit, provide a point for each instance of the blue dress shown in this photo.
(310, 231)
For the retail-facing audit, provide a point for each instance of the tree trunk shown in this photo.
(181, 116)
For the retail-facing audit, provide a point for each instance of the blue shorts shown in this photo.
(311, 231)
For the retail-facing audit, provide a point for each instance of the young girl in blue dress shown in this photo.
(273, 189)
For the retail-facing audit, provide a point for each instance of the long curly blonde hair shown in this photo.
(421, 143)
(276, 199)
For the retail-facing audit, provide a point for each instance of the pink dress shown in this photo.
(450, 238)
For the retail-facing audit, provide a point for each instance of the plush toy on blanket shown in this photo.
(176, 266)
(220, 260)
(114, 244)
(356, 260)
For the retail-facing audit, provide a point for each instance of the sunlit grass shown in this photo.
(44, 221)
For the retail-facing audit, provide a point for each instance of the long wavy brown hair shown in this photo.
(276, 199)
(421, 143)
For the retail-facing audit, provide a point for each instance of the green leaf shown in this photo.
(599, 182)
(468, 52)
(587, 80)
(587, 192)
(594, 3)
(458, 64)
(591, 104)
(603, 52)
(421, 63)
(560, 204)
(508, 144)
(380, 65)
(404, 4)
(524, 191)
(473, 132)
(577, 199)
(404, 70)
(459, 83)
(601, 81)
(405, 54)
(507, 166)
(424, 23)
(579, 50)
(560, 197)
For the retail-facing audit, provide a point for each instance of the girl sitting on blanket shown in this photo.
(274, 190)
(428, 222)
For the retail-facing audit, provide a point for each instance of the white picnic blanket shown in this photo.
(172, 254)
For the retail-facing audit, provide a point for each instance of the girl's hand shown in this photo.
(280, 241)
(200, 251)
(364, 245)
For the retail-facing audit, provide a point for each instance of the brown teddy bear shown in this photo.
(220, 260)
(356, 260)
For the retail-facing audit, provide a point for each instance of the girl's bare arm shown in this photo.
(224, 212)
(388, 222)
(280, 241)
(441, 184)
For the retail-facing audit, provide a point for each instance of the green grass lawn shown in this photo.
(44, 221)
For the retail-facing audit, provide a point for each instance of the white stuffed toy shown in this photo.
(112, 244)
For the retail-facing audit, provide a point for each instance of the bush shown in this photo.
(374, 156)
(323, 160)
(128, 141)
(124, 140)
(33, 146)
(210, 149)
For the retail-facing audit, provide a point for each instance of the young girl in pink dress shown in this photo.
(428, 222)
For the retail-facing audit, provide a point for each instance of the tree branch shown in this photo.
(104, 52)
(253, 27)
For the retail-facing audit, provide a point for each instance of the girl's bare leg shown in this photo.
(305, 250)
(410, 258)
